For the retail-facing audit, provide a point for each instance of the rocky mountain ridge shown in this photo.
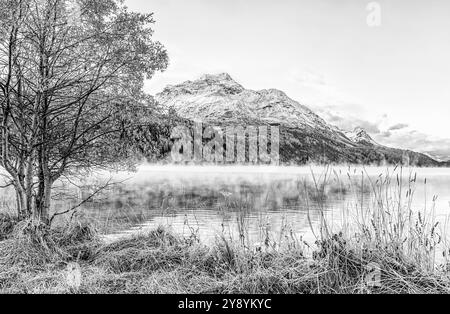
(305, 136)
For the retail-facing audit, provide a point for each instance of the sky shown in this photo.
(381, 65)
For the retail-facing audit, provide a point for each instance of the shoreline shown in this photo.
(385, 247)
(161, 262)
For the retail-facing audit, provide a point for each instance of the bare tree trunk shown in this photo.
(43, 199)
(19, 202)
(29, 186)
(23, 211)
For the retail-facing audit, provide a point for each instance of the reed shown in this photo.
(381, 244)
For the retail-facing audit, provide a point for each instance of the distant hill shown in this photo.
(304, 136)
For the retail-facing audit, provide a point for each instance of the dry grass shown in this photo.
(162, 263)
(7, 223)
(387, 239)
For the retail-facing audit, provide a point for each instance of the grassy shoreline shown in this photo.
(385, 246)
(161, 262)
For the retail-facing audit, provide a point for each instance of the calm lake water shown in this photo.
(247, 201)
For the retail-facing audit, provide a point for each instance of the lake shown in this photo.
(249, 202)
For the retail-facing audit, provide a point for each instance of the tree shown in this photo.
(71, 79)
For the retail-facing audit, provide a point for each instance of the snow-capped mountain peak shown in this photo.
(359, 135)
(217, 99)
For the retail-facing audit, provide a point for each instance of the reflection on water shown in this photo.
(212, 204)
(249, 202)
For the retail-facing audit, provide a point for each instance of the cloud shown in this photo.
(330, 103)
(385, 134)
(398, 126)
(416, 141)
(345, 121)
(396, 135)
(346, 113)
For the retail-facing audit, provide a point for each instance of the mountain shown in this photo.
(304, 136)
(213, 98)
(360, 136)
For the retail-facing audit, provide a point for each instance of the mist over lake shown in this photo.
(215, 200)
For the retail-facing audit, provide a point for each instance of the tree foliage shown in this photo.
(71, 80)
